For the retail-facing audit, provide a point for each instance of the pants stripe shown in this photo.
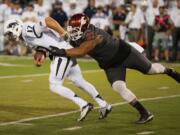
(58, 65)
(67, 63)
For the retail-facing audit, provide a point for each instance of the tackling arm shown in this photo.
(84, 48)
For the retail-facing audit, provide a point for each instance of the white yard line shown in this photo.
(163, 88)
(145, 133)
(43, 74)
(72, 112)
(24, 124)
(72, 128)
(23, 76)
(13, 65)
(26, 81)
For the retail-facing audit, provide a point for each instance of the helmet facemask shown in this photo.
(76, 33)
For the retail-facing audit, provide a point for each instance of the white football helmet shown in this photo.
(13, 29)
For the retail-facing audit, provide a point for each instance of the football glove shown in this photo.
(57, 52)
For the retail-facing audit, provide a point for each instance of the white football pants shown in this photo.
(61, 67)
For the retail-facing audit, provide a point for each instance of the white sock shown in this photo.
(76, 77)
(100, 101)
(68, 94)
(90, 89)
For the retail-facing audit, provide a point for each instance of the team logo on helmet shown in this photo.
(13, 29)
(77, 25)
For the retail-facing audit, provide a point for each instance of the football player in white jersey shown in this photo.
(40, 37)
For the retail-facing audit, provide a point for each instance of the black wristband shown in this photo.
(61, 52)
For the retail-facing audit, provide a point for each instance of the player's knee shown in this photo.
(156, 68)
(54, 87)
(78, 81)
(120, 87)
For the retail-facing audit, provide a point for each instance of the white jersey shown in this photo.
(38, 35)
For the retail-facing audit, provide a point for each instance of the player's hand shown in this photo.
(39, 58)
(57, 52)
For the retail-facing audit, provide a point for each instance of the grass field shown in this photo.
(27, 107)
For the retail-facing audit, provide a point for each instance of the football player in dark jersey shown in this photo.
(114, 56)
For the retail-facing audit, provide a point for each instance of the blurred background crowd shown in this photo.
(153, 24)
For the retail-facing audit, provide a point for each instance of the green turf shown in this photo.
(19, 100)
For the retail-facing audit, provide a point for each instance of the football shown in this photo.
(39, 58)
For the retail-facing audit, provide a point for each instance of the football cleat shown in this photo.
(104, 111)
(84, 111)
(145, 118)
(172, 73)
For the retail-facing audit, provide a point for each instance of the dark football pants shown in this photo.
(135, 60)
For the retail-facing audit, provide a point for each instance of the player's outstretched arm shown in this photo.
(82, 50)
(53, 24)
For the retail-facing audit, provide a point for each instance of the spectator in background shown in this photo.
(3, 7)
(73, 8)
(41, 10)
(47, 4)
(90, 10)
(118, 21)
(163, 26)
(7, 12)
(160, 2)
(135, 22)
(171, 4)
(29, 15)
(116, 3)
(100, 19)
(119, 16)
(151, 12)
(107, 9)
(59, 14)
(143, 40)
(15, 10)
(175, 15)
